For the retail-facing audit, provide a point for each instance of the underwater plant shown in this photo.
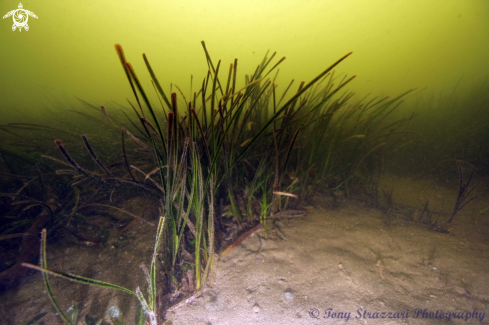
(463, 191)
(149, 308)
(189, 163)
(195, 162)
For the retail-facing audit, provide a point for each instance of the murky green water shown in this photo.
(227, 153)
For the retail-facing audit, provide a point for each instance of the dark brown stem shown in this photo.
(94, 156)
(70, 160)
(125, 157)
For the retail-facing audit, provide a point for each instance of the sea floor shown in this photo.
(337, 265)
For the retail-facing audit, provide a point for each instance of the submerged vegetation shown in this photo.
(453, 127)
(226, 163)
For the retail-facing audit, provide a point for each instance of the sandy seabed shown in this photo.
(336, 266)
(345, 266)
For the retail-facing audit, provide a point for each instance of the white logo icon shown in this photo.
(20, 16)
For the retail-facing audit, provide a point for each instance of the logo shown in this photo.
(20, 17)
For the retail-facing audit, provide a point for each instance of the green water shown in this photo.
(433, 52)
(397, 45)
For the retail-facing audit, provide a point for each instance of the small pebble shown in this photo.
(289, 296)
(256, 308)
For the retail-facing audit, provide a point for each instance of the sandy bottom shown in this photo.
(345, 266)
(336, 266)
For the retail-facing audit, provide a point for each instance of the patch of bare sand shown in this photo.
(349, 262)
